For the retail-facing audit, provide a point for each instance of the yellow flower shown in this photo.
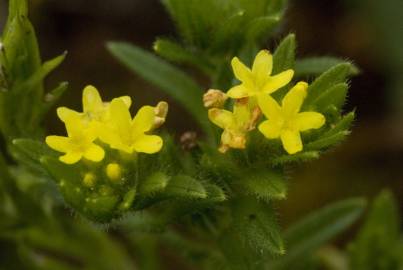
(235, 124)
(94, 109)
(79, 142)
(127, 134)
(286, 122)
(258, 80)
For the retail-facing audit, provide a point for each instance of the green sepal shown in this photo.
(100, 208)
(343, 124)
(298, 157)
(128, 200)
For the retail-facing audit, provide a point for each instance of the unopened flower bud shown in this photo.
(89, 179)
(214, 99)
(161, 111)
(114, 172)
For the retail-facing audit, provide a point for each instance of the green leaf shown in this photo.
(298, 157)
(29, 152)
(333, 76)
(266, 185)
(183, 186)
(256, 224)
(378, 242)
(155, 183)
(174, 52)
(60, 171)
(343, 125)
(316, 229)
(260, 28)
(335, 95)
(170, 79)
(327, 141)
(53, 97)
(228, 35)
(284, 55)
(317, 65)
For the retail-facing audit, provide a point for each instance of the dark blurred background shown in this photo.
(368, 32)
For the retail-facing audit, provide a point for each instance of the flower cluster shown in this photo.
(252, 98)
(110, 123)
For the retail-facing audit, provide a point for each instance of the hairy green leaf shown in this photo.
(284, 55)
(316, 229)
(317, 65)
(184, 186)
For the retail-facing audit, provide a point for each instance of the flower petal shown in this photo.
(276, 82)
(309, 120)
(94, 153)
(269, 106)
(241, 72)
(270, 129)
(75, 126)
(148, 144)
(144, 119)
(127, 100)
(121, 117)
(262, 66)
(291, 141)
(239, 91)
(292, 102)
(59, 143)
(65, 113)
(92, 101)
(221, 118)
(71, 157)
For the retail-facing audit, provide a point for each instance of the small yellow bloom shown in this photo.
(89, 180)
(94, 109)
(235, 124)
(127, 134)
(79, 142)
(258, 80)
(286, 122)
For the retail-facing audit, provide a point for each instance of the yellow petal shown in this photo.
(221, 118)
(58, 143)
(148, 144)
(309, 120)
(120, 117)
(65, 113)
(269, 107)
(71, 157)
(127, 100)
(239, 91)
(144, 119)
(262, 66)
(276, 82)
(94, 153)
(291, 141)
(270, 129)
(292, 102)
(109, 136)
(241, 72)
(92, 101)
(74, 126)
(241, 115)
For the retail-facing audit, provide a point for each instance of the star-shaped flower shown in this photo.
(94, 109)
(79, 142)
(258, 80)
(286, 122)
(127, 134)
